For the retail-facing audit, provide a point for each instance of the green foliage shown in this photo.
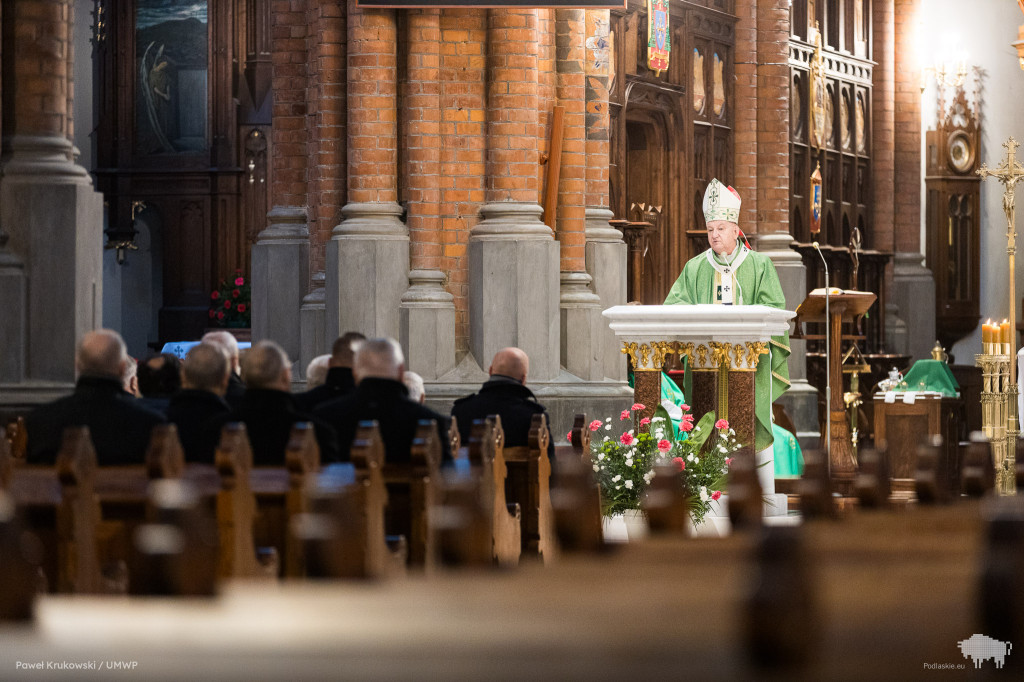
(231, 302)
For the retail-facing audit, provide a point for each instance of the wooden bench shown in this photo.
(490, 471)
(413, 492)
(528, 485)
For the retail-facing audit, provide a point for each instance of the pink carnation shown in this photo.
(626, 439)
(568, 436)
(595, 425)
(624, 416)
(728, 461)
(678, 461)
(239, 281)
(715, 495)
(721, 424)
(686, 423)
(645, 421)
(638, 406)
(665, 446)
(684, 407)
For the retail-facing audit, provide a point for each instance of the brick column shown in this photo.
(427, 315)
(605, 250)
(579, 307)
(513, 258)
(883, 141)
(745, 112)
(368, 256)
(280, 256)
(47, 206)
(913, 284)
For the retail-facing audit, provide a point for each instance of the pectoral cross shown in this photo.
(1009, 172)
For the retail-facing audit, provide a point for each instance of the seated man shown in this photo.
(381, 395)
(229, 344)
(196, 408)
(267, 409)
(119, 425)
(504, 394)
(339, 379)
(159, 378)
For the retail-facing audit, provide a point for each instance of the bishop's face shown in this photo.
(722, 236)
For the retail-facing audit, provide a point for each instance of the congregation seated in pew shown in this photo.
(196, 408)
(339, 381)
(267, 409)
(504, 394)
(380, 395)
(159, 378)
(119, 424)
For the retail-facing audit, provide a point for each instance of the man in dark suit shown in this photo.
(227, 342)
(267, 409)
(381, 395)
(339, 380)
(119, 425)
(196, 408)
(504, 394)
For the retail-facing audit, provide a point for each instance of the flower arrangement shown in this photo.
(231, 302)
(624, 465)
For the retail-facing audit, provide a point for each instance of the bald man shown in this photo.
(119, 425)
(504, 394)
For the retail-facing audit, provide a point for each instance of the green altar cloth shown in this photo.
(931, 375)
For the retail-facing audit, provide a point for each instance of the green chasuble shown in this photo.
(757, 284)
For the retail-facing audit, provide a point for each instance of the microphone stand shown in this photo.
(828, 370)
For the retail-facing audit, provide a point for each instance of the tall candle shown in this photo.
(986, 332)
(1005, 327)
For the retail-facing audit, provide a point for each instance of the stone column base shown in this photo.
(913, 292)
(313, 339)
(514, 286)
(280, 272)
(13, 286)
(606, 264)
(581, 327)
(427, 324)
(367, 271)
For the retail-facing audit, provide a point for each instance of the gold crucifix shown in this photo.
(1009, 172)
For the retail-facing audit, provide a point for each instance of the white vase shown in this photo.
(615, 529)
(636, 524)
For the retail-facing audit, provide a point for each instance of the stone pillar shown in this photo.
(913, 289)
(427, 313)
(52, 267)
(605, 253)
(280, 273)
(311, 324)
(368, 255)
(513, 258)
(579, 307)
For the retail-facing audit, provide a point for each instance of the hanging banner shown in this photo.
(659, 43)
(816, 199)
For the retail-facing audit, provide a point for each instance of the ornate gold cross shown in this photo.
(1009, 172)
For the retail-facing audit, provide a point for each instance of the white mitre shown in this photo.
(721, 203)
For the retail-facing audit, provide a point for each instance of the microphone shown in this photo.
(828, 357)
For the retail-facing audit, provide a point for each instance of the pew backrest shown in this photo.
(529, 473)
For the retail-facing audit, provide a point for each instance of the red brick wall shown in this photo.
(569, 87)
(772, 116)
(883, 126)
(907, 159)
(745, 113)
(290, 132)
(36, 38)
(598, 119)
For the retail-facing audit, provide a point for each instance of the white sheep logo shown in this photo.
(981, 648)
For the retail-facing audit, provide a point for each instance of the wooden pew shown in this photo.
(19, 562)
(342, 535)
(236, 509)
(578, 445)
(59, 504)
(413, 492)
(17, 436)
(528, 484)
(490, 471)
(281, 495)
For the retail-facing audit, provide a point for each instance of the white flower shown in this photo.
(696, 460)
(601, 456)
(606, 439)
(607, 427)
(629, 462)
(722, 449)
(629, 485)
(597, 468)
(608, 419)
(689, 457)
(657, 419)
(618, 487)
(704, 497)
(630, 432)
(617, 477)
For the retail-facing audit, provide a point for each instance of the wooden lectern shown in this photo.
(846, 306)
